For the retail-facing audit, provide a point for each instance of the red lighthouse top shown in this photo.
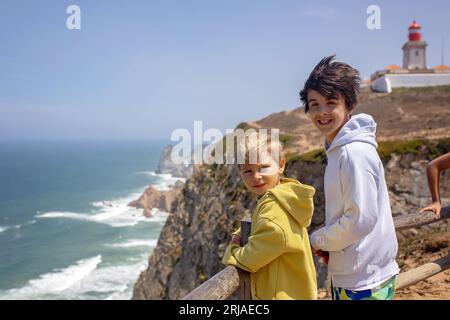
(414, 32)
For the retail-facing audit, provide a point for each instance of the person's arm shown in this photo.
(434, 168)
(267, 243)
(360, 214)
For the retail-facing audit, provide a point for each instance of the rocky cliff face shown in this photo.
(166, 165)
(214, 200)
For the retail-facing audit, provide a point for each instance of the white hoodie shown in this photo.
(359, 231)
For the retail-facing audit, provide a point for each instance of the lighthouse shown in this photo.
(414, 51)
(415, 72)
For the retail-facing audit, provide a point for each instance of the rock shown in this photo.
(148, 213)
(153, 198)
(166, 165)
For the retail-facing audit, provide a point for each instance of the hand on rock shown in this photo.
(435, 207)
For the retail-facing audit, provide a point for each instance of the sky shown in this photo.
(138, 70)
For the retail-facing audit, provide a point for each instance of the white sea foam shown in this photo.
(165, 180)
(4, 228)
(113, 219)
(54, 284)
(135, 243)
(84, 280)
(158, 216)
(115, 213)
(114, 282)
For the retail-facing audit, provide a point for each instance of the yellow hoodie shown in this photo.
(278, 253)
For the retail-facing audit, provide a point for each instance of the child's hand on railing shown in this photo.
(435, 207)
(235, 239)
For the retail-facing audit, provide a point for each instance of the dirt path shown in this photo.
(418, 251)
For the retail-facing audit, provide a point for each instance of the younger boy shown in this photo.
(359, 232)
(278, 252)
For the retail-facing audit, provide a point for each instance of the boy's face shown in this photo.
(263, 176)
(328, 114)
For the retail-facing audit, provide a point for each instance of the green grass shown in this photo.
(243, 125)
(286, 140)
(314, 156)
(386, 148)
(432, 89)
(431, 149)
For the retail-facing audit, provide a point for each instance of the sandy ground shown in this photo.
(418, 251)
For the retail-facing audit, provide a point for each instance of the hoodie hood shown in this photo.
(360, 127)
(296, 198)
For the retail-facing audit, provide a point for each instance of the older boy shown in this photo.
(359, 231)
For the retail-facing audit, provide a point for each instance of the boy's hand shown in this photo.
(235, 239)
(435, 207)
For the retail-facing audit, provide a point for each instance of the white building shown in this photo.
(415, 72)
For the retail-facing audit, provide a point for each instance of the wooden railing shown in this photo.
(225, 283)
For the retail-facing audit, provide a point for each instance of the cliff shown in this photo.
(166, 165)
(214, 200)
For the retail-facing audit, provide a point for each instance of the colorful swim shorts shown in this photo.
(384, 292)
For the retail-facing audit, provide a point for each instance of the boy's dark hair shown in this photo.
(329, 77)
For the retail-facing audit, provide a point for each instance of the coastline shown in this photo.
(74, 236)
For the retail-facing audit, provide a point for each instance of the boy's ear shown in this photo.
(350, 112)
(282, 165)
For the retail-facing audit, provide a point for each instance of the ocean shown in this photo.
(66, 231)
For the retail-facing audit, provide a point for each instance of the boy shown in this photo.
(278, 252)
(359, 232)
(434, 168)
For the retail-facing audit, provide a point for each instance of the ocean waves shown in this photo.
(135, 243)
(106, 269)
(15, 227)
(114, 213)
(51, 285)
(86, 279)
(124, 217)
(165, 180)
(117, 213)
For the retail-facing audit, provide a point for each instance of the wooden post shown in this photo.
(421, 273)
(219, 287)
(244, 276)
(225, 283)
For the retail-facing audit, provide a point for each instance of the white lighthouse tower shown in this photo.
(415, 72)
(414, 51)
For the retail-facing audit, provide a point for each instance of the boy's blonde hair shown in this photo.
(253, 144)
